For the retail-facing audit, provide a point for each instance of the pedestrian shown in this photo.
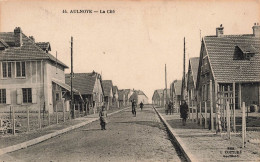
(184, 111)
(134, 108)
(141, 105)
(170, 107)
(166, 108)
(103, 117)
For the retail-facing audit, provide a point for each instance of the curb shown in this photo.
(48, 136)
(186, 152)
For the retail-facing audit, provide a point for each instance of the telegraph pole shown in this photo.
(71, 82)
(183, 79)
(166, 83)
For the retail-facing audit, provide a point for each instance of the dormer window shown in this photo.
(244, 52)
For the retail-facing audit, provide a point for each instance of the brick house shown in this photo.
(30, 76)
(90, 87)
(229, 69)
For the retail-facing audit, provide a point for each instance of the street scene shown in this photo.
(134, 81)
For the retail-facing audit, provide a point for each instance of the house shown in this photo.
(108, 92)
(90, 87)
(121, 98)
(191, 80)
(128, 93)
(30, 77)
(176, 93)
(158, 97)
(115, 97)
(229, 69)
(139, 97)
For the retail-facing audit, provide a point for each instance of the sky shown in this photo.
(132, 45)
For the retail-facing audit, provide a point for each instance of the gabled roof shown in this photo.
(121, 94)
(27, 51)
(107, 85)
(177, 84)
(194, 63)
(225, 68)
(115, 89)
(44, 46)
(83, 82)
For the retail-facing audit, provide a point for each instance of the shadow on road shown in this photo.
(146, 123)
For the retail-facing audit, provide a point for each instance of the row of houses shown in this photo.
(31, 77)
(227, 69)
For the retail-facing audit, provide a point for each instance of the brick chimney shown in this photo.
(220, 31)
(18, 41)
(256, 30)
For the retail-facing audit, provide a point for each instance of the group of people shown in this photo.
(103, 114)
(184, 110)
(134, 105)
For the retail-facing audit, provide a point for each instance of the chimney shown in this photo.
(18, 41)
(256, 30)
(219, 31)
(32, 38)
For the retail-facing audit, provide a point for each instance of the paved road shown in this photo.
(127, 138)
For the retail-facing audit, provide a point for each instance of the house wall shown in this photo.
(98, 97)
(250, 93)
(41, 85)
(142, 98)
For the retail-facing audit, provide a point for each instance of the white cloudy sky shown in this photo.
(132, 45)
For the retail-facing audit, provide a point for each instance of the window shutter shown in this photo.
(19, 96)
(34, 95)
(8, 96)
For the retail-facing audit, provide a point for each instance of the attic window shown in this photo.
(244, 52)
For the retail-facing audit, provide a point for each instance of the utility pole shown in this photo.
(71, 82)
(166, 83)
(183, 78)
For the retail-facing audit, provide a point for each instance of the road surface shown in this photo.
(127, 138)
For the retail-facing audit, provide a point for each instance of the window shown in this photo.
(27, 95)
(7, 71)
(57, 96)
(20, 69)
(2, 96)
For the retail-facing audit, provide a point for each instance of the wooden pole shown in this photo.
(49, 116)
(211, 105)
(192, 117)
(216, 102)
(13, 117)
(39, 118)
(71, 82)
(63, 108)
(239, 96)
(57, 117)
(200, 115)
(166, 98)
(234, 107)
(228, 120)
(28, 119)
(206, 122)
(243, 125)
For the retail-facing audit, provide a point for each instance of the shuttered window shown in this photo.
(6, 69)
(20, 69)
(2, 96)
(27, 95)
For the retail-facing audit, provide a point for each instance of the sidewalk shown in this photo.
(12, 142)
(205, 145)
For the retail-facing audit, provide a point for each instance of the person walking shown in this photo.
(184, 111)
(103, 118)
(141, 105)
(170, 107)
(166, 108)
(134, 108)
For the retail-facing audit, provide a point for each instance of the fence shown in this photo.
(16, 121)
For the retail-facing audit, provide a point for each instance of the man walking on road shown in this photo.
(141, 106)
(103, 118)
(134, 107)
(184, 111)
